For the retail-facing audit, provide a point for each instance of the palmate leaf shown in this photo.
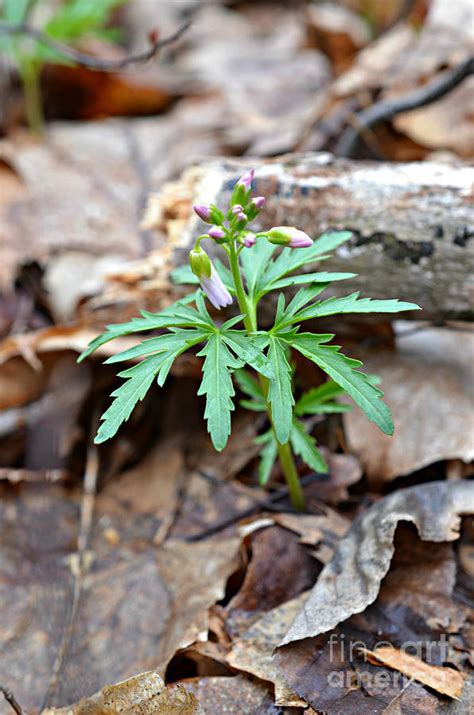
(321, 277)
(139, 379)
(280, 393)
(305, 446)
(349, 304)
(250, 350)
(343, 371)
(218, 388)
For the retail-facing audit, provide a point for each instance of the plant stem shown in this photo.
(30, 77)
(285, 454)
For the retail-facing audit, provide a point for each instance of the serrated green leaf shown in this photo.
(165, 342)
(176, 315)
(290, 259)
(268, 456)
(351, 304)
(319, 400)
(127, 395)
(305, 446)
(321, 277)
(253, 406)
(280, 393)
(218, 388)
(249, 349)
(302, 297)
(343, 371)
(139, 379)
(248, 384)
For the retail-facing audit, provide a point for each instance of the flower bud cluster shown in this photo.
(232, 229)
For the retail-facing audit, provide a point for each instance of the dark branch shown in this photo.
(388, 108)
(11, 700)
(89, 61)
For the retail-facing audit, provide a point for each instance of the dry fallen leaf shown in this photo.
(429, 384)
(141, 695)
(253, 651)
(446, 681)
(351, 581)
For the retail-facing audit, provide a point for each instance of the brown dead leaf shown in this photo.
(279, 569)
(446, 681)
(351, 581)
(429, 384)
(143, 694)
(253, 651)
(131, 592)
(417, 609)
(432, 126)
(237, 695)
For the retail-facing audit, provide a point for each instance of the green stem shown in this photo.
(30, 76)
(285, 454)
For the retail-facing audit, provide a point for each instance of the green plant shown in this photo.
(257, 264)
(30, 48)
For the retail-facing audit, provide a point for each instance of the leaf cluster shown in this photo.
(228, 348)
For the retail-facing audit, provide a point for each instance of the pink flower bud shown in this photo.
(249, 239)
(215, 290)
(216, 232)
(241, 216)
(246, 180)
(258, 202)
(203, 212)
(289, 236)
(237, 209)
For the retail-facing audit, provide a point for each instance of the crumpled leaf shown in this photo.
(351, 581)
(141, 695)
(446, 681)
(419, 608)
(429, 384)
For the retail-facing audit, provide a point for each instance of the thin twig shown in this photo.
(268, 504)
(89, 61)
(11, 700)
(388, 108)
(79, 568)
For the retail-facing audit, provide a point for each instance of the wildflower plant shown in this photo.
(238, 349)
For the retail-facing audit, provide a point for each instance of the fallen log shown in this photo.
(412, 223)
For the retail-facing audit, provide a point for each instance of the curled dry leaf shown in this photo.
(432, 372)
(446, 681)
(351, 581)
(141, 695)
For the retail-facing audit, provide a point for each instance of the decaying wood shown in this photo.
(412, 223)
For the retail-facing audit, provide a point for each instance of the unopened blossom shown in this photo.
(216, 232)
(289, 236)
(215, 290)
(249, 239)
(258, 202)
(237, 209)
(246, 180)
(203, 211)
